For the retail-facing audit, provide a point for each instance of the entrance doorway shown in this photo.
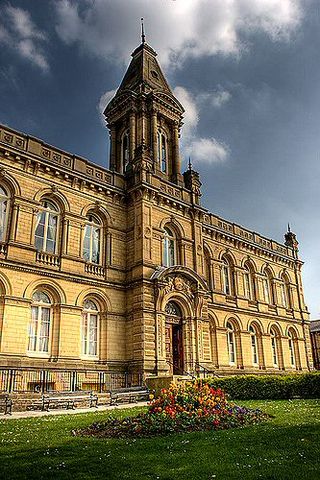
(174, 338)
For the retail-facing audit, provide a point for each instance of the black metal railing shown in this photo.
(41, 381)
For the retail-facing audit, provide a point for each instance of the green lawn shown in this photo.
(287, 447)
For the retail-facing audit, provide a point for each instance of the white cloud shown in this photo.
(20, 33)
(177, 29)
(207, 150)
(215, 99)
(204, 150)
(191, 115)
(103, 102)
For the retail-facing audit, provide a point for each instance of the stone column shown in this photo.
(176, 154)
(154, 132)
(132, 120)
(113, 148)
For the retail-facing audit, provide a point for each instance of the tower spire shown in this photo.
(143, 37)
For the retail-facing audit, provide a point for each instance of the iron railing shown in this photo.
(34, 380)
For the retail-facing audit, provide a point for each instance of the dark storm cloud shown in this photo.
(247, 72)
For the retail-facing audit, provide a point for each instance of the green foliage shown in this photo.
(273, 387)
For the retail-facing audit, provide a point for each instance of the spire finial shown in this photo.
(189, 164)
(289, 229)
(143, 37)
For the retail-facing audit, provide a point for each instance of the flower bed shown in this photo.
(184, 408)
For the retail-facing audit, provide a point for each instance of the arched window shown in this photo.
(227, 284)
(207, 268)
(274, 347)
(172, 309)
(254, 346)
(125, 150)
(291, 349)
(39, 326)
(92, 239)
(249, 286)
(231, 343)
(268, 288)
(4, 209)
(162, 151)
(285, 292)
(169, 248)
(89, 331)
(47, 227)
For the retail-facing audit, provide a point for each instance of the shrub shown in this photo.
(273, 387)
(190, 407)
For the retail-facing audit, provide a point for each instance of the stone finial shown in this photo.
(291, 239)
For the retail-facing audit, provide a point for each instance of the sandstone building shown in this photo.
(315, 342)
(109, 275)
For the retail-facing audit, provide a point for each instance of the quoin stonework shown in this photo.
(111, 275)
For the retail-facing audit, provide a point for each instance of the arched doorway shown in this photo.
(174, 338)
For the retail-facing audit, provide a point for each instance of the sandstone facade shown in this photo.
(122, 271)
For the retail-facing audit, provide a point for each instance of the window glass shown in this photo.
(226, 283)
(291, 350)
(125, 151)
(46, 228)
(254, 349)
(91, 241)
(274, 348)
(169, 248)
(4, 200)
(90, 328)
(39, 326)
(231, 343)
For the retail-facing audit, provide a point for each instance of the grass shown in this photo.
(286, 447)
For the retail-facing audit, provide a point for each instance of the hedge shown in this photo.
(273, 387)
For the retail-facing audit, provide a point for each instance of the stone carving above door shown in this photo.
(180, 284)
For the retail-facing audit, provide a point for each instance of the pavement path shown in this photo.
(39, 413)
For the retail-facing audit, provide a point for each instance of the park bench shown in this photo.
(129, 395)
(6, 404)
(67, 399)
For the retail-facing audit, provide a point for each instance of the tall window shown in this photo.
(207, 269)
(92, 239)
(231, 343)
(285, 292)
(89, 332)
(46, 227)
(125, 150)
(274, 347)
(267, 288)
(226, 277)
(4, 207)
(39, 327)
(169, 248)
(162, 152)
(254, 346)
(291, 349)
(249, 283)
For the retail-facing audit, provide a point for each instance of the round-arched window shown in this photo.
(254, 347)
(4, 208)
(169, 248)
(89, 331)
(47, 227)
(39, 326)
(231, 343)
(92, 239)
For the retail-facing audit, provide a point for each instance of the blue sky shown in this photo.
(246, 71)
